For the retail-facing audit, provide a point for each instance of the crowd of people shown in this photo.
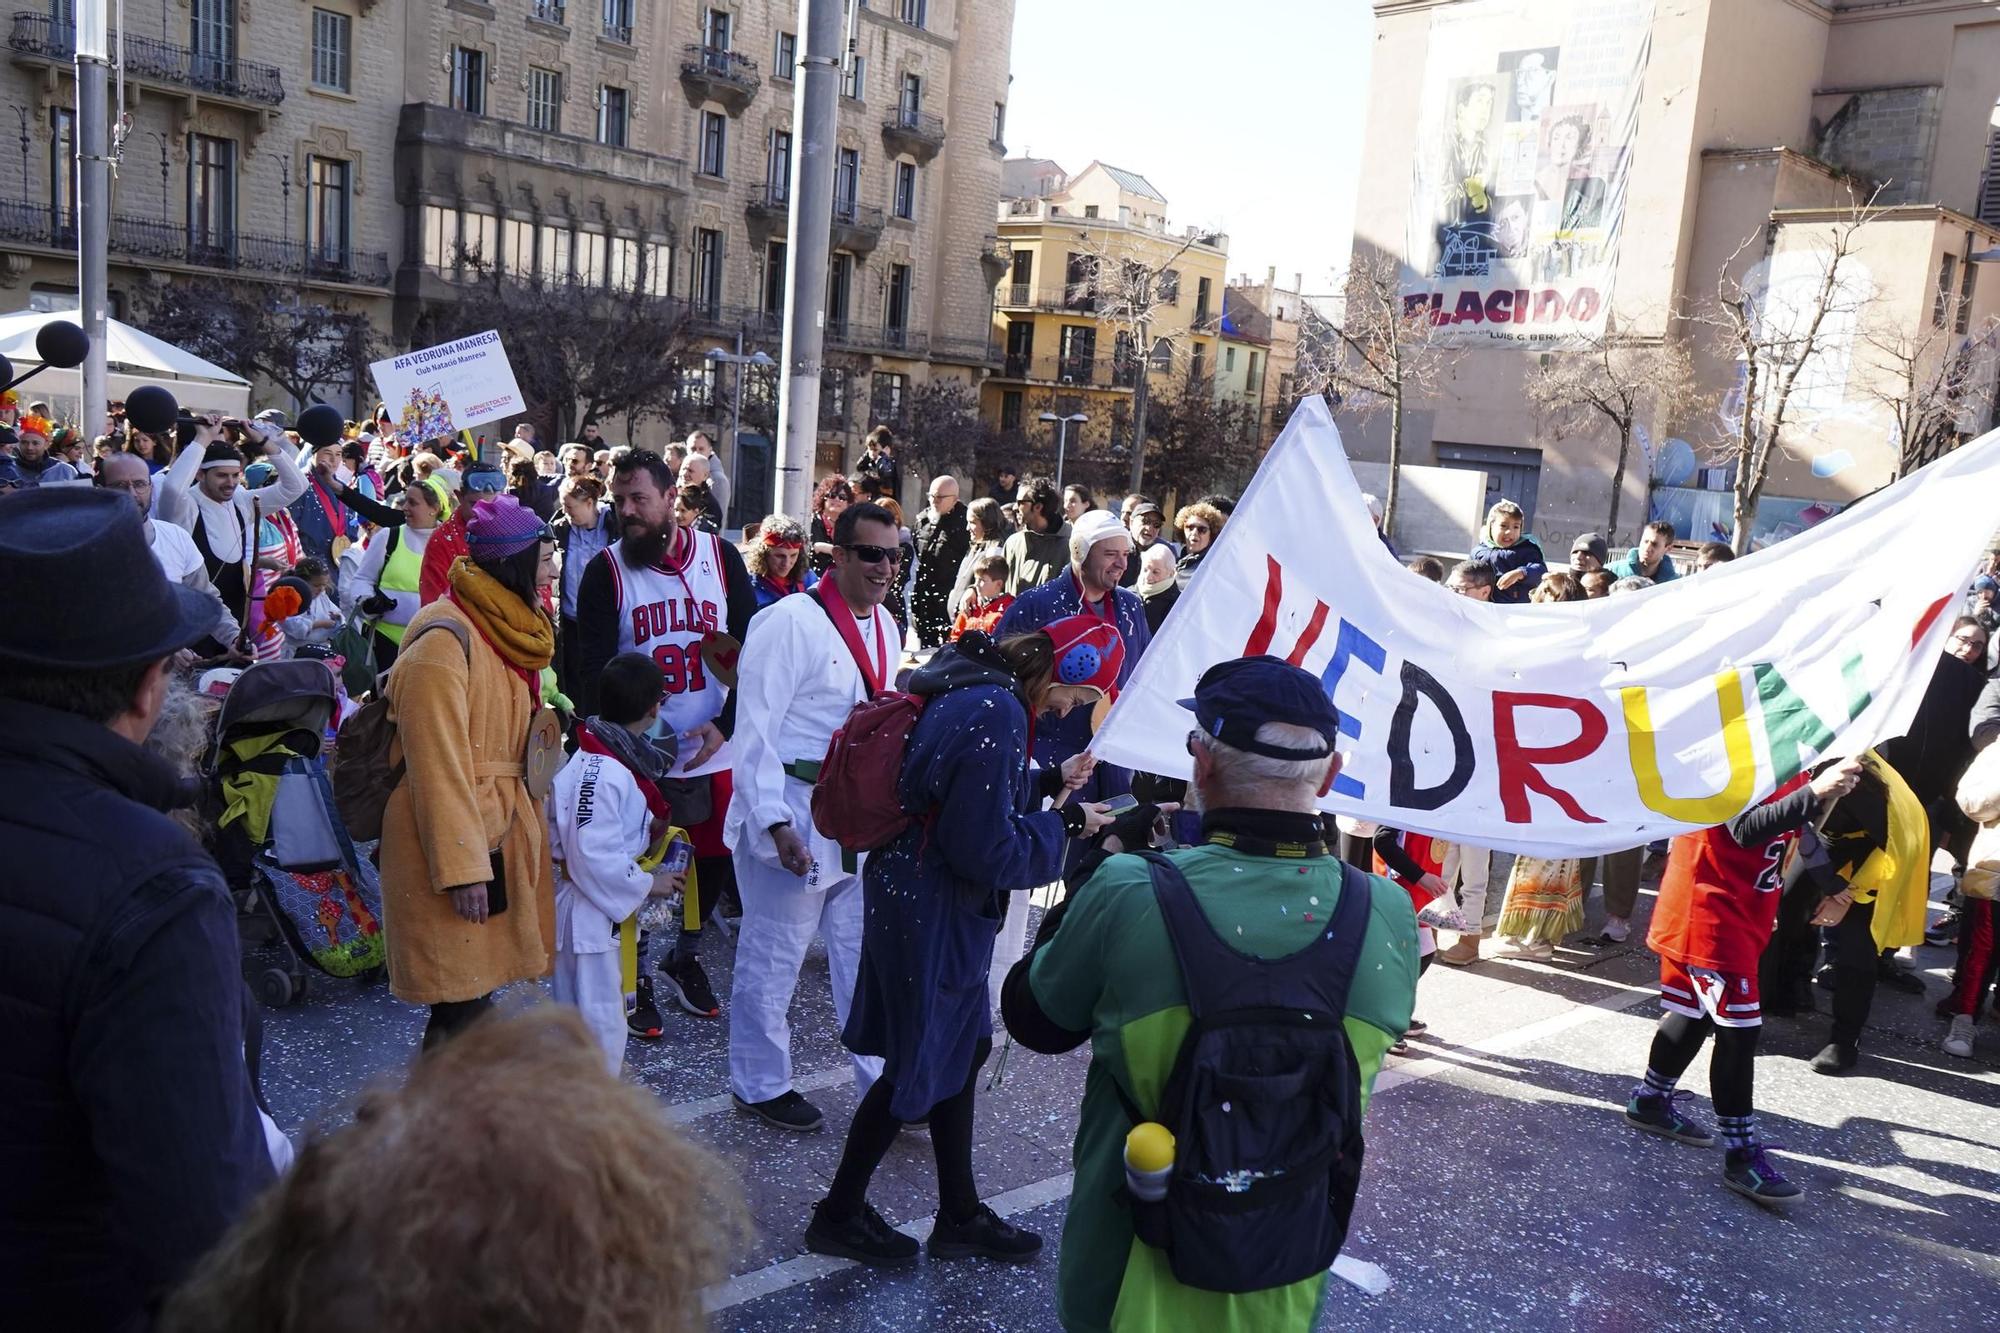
(620, 733)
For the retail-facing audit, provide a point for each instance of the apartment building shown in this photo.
(383, 153)
(1556, 170)
(1099, 291)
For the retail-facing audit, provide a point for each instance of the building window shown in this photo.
(327, 210)
(547, 11)
(659, 269)
(332, 43)
(846, 182)
(590, 258)
(1169, 288)
(618, 20)
(553, 265)
(480, 239)
(624, 264)
(1201, 294)
(906, 189)
(714, 132)
(715, 29)
(999, 122)
(212, 40)
(518, 247)
(785, 59)
(62, 167)
(774, 278)
(886, 397)
(440, 239)
(211, 192)
(1010, 410)
(468, 79)
(545, 99)
(833, 398)
(1090, 210)
(1968, 277)
(912, 12)
(1198, 363)
(1228, 358)
(896, 319)
(839, 288)
(708, 269)
(1077, 352)
(778, 167)
(857, 79)
(613, 115)
(911, 100)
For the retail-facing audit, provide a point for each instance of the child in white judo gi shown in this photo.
(604, 811)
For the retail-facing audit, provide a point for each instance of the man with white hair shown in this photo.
(699, 445)
(173, 548)
(1260, 916)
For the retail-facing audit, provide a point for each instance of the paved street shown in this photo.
(1502, 1189)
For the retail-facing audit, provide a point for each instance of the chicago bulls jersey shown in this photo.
(667, 611)
(1719, 899)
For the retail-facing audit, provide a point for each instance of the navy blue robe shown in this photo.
(932, 899)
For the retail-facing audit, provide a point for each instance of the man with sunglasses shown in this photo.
(807, 661)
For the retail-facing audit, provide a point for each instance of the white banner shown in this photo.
(1590, 726)
(1529, 112)
(439, 391)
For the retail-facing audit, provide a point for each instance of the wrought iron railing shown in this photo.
(915, 123)
(170, 242)
(712, 62)
(162, 62)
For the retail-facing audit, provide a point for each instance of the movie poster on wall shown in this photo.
(1530, 109)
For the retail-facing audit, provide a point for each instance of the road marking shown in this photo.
(684, 1112)
(789, 1273)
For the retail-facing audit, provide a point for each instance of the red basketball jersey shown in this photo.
(1719, 899)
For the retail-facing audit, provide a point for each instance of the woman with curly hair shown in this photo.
(832, 495)
(474, 1196)
(1199, 524)
(776, 560)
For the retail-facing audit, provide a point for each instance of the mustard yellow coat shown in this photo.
(461, 728)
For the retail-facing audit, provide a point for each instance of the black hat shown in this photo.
(1236, 697)
(64, 546)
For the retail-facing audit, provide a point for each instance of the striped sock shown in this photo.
(1739, 1132)
(1657, 1084)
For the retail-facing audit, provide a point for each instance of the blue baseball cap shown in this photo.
(1986, 583)
(1234, 698)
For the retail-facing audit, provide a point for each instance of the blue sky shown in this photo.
(1247, 115)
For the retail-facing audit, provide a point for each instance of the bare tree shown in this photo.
(258, 331)
(581, 355)
(943, 431)
(1616, 380)
(1201, 442)
(1934, 384)
(1376, 351)
(1784, 319)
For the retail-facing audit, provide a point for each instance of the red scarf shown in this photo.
(656, 804)
(849, 629)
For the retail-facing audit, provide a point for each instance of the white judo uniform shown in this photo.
(598, 824)
(795, 683)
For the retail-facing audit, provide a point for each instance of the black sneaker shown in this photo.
(688, 984)
(988, 1236)
(1750, 1173)
(865, 1238)
(1944, 931)
(1659, 1115)
(787, 1110)
(1834, 1058)
(643, 1019)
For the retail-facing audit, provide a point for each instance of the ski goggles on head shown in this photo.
(783, 543)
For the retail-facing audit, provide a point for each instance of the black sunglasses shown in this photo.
(870, 555)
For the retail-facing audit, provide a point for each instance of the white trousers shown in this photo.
(1009, 945)
(780, 914)
(590, 982)
(1464, 870)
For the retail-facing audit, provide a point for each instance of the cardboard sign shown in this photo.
(441, 390)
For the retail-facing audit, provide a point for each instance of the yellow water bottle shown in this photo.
(1149, 1161)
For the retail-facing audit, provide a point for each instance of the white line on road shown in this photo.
(683, 1112)
(788, 1273)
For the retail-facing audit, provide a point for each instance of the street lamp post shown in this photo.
(719, 357)
(162, 139)
(1062, 425)
(27, 191)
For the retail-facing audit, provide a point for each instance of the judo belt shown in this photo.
(807, 771)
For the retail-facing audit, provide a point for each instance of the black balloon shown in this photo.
(6, 372)
(151, 409)
(61, 343)
(321, 425)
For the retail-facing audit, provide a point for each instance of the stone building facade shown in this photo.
(377, 153)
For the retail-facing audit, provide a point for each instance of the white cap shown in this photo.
(1096, 526)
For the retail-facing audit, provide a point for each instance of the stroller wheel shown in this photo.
(276, 987)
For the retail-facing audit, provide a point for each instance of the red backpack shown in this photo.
(855, 802)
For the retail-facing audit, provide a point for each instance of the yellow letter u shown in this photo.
(1703, 810)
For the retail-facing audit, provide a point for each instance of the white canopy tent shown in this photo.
(133, 358)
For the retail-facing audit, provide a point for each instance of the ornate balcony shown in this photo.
(38, 38)
(711, 74)
(768, 210)
(440, 132)
(915, 132)
(153, 240)
(856, 226)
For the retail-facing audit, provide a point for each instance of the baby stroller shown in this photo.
(281, 843)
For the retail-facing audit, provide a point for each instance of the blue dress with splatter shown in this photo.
(933, 898)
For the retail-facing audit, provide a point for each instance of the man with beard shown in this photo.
(942, 541)
(808, 661)
(204, 492)
(685, 599)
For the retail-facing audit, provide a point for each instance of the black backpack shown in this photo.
(1264, 1101)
